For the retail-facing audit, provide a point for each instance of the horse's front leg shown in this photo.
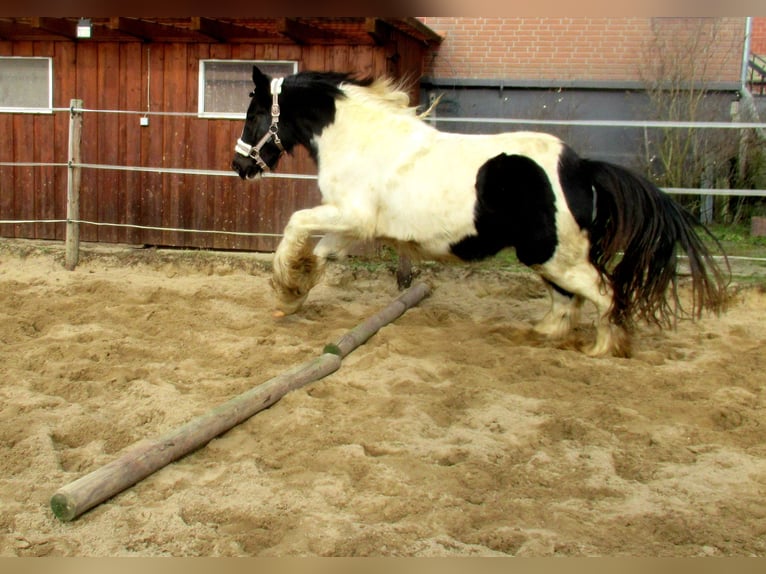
(297, 265)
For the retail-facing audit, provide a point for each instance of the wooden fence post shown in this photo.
(73, 186)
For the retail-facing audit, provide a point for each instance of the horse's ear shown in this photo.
(261, 82)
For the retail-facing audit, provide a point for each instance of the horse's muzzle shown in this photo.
(245, 167)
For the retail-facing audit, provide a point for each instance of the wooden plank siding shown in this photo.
(113, 75)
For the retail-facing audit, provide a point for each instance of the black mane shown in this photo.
(325, 81)
(307, 105)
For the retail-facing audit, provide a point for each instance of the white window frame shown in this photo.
(47, 109)
(263, 64)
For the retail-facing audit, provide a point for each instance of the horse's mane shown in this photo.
(386, 92)
(381, 91)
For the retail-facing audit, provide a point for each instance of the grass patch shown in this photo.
(736, 241)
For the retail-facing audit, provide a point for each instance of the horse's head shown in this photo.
(260, 147)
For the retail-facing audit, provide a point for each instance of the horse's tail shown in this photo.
(635, 232)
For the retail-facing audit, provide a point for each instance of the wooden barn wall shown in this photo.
(113, 76)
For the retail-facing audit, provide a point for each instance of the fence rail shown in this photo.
(74, 165)
(603, 123)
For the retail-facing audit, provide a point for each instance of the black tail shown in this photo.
(635, 233)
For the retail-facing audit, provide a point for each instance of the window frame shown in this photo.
(201, 84)
(48, 109)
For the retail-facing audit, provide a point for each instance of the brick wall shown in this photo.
(758, 37)
(581, 48)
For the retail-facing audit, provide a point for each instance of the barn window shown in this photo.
(224, 85)
(26, 85)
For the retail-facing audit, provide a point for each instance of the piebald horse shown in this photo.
(592, 230)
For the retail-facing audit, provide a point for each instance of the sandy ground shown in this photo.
(452, 432)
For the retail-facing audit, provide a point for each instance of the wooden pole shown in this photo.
(147, 456)
(73, 186)
(359, 334)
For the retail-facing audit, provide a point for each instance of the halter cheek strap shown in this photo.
(245, 149)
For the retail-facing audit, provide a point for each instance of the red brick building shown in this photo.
(758, 38)
(579, 49)
(581, 68)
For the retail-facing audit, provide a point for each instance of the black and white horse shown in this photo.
(592, 230)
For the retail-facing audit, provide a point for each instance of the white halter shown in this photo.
(245, 149)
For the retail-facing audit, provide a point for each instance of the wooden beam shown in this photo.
(56, 26)
(222, 31)
(219, 31)
(378, 31)
(10, 29)
(418, 29)
(302, 33)
(152, 31)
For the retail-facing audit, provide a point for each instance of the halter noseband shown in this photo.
(245, 149)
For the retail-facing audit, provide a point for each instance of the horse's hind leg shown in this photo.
(563, 314)
(583, 281)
